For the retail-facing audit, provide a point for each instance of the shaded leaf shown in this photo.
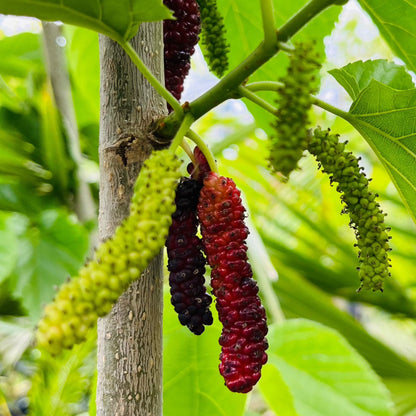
(8, 248)
(50, 251)
(118, 20)
(395, 20)
(299, 298)
(192, 385)
(356, 76)
(324, 374)
(60, 383)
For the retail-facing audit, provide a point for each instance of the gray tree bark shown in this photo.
(130, 337)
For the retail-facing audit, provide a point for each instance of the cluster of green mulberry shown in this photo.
(118, 261)
(294, 102)
(367, 219)
(213, 37)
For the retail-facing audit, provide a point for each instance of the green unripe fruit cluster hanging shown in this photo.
(294, 101)
(118, 261)
(213, 37)
(367, 218)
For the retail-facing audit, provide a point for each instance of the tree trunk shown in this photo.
(130, 337)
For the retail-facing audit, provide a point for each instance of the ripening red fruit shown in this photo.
(186, 261)
(201, 170)
(180, 37)
(243, 341)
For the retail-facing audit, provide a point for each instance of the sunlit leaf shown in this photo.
(322, 372)
(395, 20)
(356, 76)
(116, 19)
(386, 118)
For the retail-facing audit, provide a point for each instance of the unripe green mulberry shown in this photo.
(118, 261)
(213, 37)
(294, 102)
(367, 218)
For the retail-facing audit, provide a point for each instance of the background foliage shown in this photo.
(336, 350)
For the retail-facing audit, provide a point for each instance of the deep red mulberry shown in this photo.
(201, 170)
(186, 261)
(239, 308)
(180, 37)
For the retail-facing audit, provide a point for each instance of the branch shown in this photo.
(334, 110)
(269, 22)
(204, 149)
(303, 16)
(254, 98)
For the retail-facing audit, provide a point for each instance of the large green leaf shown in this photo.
(386, 118)
(356, 76)
(395, 20)
(192, 385)
(324, 375)
(116, 19)
(50, 251)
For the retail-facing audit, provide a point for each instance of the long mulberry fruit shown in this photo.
(215, 45)
(186, 261)
(180, 37)
(118, 261)
(243, 341)
(367, 218)
(294, 102)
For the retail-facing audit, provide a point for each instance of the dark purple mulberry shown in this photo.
(180, 37)
(243, 341)
(186, 261)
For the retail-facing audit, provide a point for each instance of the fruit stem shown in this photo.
(204, 149)
(177, 140)
(334, 110)
(269, 23)
(264, 86)
(151, 78)
(244, 92)
(187, 149)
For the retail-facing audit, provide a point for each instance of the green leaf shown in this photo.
(8, 247)
(324, 374)
(192, 385)
(386, 119)
(299, 298)
(60, 383)
(21, 54)
(356, 76)
(50, 252)
(117, 19)
(395, 20)
(403, 394)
